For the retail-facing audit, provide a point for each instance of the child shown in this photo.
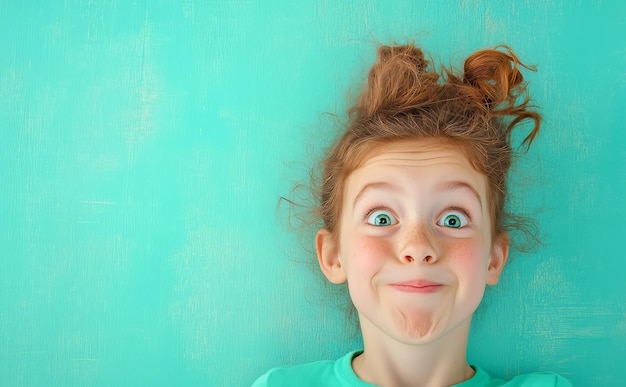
(412, 200)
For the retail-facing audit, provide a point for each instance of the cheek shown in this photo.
(367, 254)
(470, 257)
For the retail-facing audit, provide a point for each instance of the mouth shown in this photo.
(417, 286)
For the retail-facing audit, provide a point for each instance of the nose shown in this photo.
(418, 245)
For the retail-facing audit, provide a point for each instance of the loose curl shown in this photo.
(405, 98)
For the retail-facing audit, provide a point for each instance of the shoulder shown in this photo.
(319, 373)
(539, 379)
(302, 375)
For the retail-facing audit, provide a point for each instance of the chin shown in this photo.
(427, 331)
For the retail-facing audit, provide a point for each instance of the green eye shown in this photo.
(453, 220)
(381, 218)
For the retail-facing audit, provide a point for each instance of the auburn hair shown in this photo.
(406, 98)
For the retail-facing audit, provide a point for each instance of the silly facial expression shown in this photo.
(414, 241)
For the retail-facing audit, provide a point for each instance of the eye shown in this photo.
(381, 218)
(453, 219)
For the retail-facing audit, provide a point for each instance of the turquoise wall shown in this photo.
(144, 146)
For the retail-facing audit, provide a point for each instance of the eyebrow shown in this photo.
(460, 185)
(445, 186)
(373, 186)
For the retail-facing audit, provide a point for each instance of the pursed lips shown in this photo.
(417, 286)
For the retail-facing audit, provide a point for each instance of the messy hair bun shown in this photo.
(406, 98)
(496, 79)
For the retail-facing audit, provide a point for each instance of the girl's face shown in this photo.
(414, 241)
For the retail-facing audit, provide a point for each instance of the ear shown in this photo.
(328, 256)
(499, 254)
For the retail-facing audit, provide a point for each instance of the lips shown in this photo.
(417, 286)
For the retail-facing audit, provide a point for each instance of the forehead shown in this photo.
(421, 162)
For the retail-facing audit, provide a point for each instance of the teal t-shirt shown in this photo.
(340, 373)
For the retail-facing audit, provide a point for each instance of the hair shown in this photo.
(405, 98)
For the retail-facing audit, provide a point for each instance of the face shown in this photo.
(414, 241)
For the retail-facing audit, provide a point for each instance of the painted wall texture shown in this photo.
(145, 144)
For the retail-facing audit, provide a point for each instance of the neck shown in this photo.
(393, 363)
